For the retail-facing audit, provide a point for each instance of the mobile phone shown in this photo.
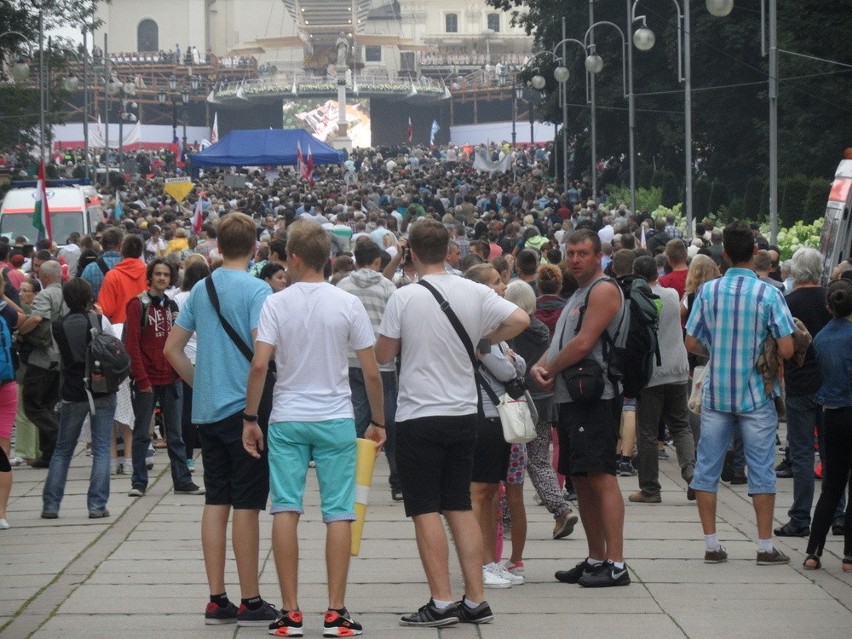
(484, 346)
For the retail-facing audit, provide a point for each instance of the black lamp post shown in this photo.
(181, 97)
(517, 95)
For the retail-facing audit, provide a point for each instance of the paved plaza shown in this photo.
(139, 573)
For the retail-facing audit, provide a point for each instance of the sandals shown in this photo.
(847, 564)
(812, 562)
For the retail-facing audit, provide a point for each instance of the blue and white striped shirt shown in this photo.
(732, 317)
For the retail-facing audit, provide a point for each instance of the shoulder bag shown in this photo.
(264, 409)
(515, 415)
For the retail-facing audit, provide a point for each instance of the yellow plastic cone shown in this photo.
(364, 466)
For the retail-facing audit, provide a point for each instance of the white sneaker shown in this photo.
(491, 579)
(4, 524)
(500, 571)
(15, 461)
(515, 569)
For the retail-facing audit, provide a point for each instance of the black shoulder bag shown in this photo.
(468, 345)
(265, 407)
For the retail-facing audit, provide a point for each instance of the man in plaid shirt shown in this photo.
(730, 322)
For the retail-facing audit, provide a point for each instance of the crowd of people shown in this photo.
(393, 298)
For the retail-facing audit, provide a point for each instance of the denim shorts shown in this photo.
(758, 429)
(331, 444)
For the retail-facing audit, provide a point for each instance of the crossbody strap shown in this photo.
(465, 338)
(235, 338)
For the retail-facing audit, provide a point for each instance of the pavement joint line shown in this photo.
(42, 606)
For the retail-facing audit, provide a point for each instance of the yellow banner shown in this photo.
(364, 465)
(178, 190)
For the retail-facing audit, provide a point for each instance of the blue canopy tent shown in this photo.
(266, 147)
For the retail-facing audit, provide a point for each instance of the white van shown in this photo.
(72, 208)
(836, 238)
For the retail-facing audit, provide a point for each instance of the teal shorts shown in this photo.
(331, 444)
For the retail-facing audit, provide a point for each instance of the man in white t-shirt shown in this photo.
(436, 416)
(309, 327)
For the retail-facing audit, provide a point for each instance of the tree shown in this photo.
(20, 115)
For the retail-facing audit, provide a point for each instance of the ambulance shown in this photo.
(836, 239)
(72, 208)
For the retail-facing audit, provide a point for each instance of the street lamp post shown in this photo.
(178, 97)
(517, 94)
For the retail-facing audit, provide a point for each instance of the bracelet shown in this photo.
(377, 424)
(249, 418)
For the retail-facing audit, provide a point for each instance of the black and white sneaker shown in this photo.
(481, 614)
(339, 623)
(430, 616)
(604, 576)
(572, 575)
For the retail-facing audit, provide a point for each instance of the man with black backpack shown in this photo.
(150, 316)
(95, 272)
(73, 335)
(590, 402)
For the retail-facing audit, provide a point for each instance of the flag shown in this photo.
(410, 131)
(178, 150)
(197, 218)
(41, 213)
(300, 159)
(118, 211)
(642, 242)
(309, 167)
(214, 132)
(434, 131)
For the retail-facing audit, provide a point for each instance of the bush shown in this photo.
(751, 200)
(814, 207)
(671, 192)
(700, 199)
(719, 196)
(792, 192)
(736, 210)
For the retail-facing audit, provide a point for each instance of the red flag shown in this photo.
(41, 213)
(410, 131)
(309, 167)
(197, 218)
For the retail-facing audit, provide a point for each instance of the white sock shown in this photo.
(764, 545)
(711, 542)
(471, 604)
(442, 605)
(619, 565)
(594, 562)
(128, 461)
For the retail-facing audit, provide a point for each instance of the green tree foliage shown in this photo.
(814, 207)
(719, 196)
(700, 198)
(792, 193)
(729, 80)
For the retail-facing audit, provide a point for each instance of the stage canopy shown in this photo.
(266, 147)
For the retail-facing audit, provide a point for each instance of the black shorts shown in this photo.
(232, 477)
(491, 455)
(434, 456)
(588, 436)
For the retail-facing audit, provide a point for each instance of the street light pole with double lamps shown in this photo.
(182, 97)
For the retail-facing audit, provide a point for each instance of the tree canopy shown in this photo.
(729, 80)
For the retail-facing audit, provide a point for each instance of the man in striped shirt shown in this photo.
(730, 321)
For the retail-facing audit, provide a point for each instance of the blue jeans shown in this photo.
(803, 414)
(758, 428)
(71, 418)
(170, 397)
(361, 406)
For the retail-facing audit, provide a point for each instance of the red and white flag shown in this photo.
(197, 218)
(41, 212)
(300, 160)
(309, 167)
(214, 132)
(643, 242)
(410, 131)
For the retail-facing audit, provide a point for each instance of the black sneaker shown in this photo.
(189, 489)
(288, 624)
(431, 617)
(573, 575)
(215, 615)
(396, 494)
(606, 575)
(791, 530)
(339, 624)
(481, 614)
(258, 617)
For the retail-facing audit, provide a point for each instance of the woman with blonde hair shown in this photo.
(702, 269)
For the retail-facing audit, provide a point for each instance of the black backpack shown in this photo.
(107, 362)
(632, 354)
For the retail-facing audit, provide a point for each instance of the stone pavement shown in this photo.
(139, 573)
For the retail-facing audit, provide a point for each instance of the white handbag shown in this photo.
(517, 418)
(699, 378)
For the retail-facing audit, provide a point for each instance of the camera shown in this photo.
(515, 388)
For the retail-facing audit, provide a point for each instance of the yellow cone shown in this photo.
(364, 466)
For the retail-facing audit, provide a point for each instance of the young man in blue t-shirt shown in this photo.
(232, 477)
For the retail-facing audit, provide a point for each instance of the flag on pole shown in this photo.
(197, 218)
(309, 167)
(300, 159)
(410, 131)
(41, 213)
(178, 150)
(214, 132)
(434, 132)
(118, 210)
(643, 242)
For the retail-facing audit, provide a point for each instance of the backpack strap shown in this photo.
(101, 262)
(95, 328)
(468, 345)
(235, 338)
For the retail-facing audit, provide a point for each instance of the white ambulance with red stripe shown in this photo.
(72, 208)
